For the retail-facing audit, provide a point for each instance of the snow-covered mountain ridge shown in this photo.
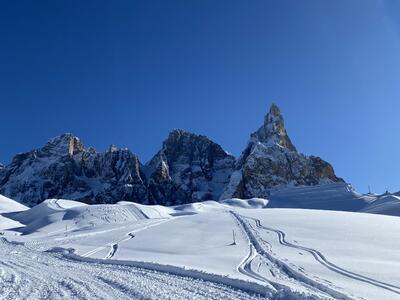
(188, 168)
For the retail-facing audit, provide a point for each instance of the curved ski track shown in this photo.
(283, 277)
(257, 244)
(319, 257)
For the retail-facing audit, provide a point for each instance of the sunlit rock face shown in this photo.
(270, 161)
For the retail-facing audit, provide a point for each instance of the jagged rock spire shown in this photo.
(270, 161)
(273, 131)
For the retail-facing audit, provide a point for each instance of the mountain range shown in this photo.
(188, 168)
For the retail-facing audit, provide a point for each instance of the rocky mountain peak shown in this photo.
(178, 137)
(273, 131)
(112, 148)
(181, 143)
(177, 133)
(63, 168)
(64, 144)
(270, 161)
(188, 168)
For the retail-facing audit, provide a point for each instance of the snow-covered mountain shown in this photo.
(188, 168)
(270, 161)
(64, 168)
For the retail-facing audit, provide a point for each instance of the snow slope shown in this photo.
(206, 250)
(8, 206)
(333, 196)
(54, 216)
(384, 205)
(352, 253)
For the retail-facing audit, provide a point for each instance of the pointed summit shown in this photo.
(270, 162)
(64, 144)
(273, 131)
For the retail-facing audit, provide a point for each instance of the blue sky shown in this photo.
(127, 72)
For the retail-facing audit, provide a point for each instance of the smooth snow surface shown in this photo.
(8, 205)
(236, 249)
(332, 196)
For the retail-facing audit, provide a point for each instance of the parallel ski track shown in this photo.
(281, 267)
(319, 257)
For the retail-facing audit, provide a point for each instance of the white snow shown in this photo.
(210, 250)
(385, 205)
(8, 205)
(332, 196)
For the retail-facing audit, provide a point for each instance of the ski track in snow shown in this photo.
(257, 247)
(115, 244)
(31, 271)
(114, 248)
(43, 244)
(29, 274)
(282, 276)
(319, 257)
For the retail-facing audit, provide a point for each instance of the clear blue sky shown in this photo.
(127, 72)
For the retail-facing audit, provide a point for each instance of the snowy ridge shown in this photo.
(8, 205)
(386, 205)
(332, 196)
(188, 168)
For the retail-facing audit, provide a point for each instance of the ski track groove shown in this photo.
(30, 274)
(19, 279)
(114, 246)
(128, 236)
(319, 257)
(281, 269)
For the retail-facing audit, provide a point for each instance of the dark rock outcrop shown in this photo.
(63, 168)
(188, 168)
(270, 161)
